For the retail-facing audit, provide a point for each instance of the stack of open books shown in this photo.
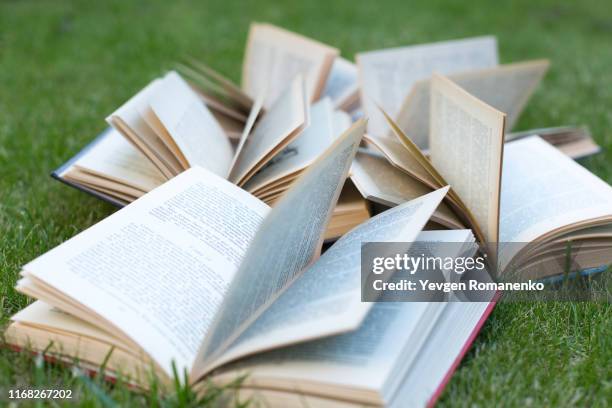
(215, 266)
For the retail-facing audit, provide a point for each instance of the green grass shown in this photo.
(65, 65)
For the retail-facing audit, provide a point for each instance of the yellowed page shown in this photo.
(467, 140)
(386, 76)
(506, 88)
(192, 127)
(102, 184)
(280, 125)
(46, 316)
(116, 159)
(274, 57)
(129, 122)
(377, 180)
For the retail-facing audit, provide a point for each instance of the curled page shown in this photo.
(115, 159)
(467, 140)
(129, 121)
(327, 298)
(275, 56)
(300, 153)
(507, 88)
(288, 240)
(193, 128)
(280, 125)
(386, 76)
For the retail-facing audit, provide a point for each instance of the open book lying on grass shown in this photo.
(165, 129)
(200, 274)
(273, 57)
(398, 80)
(536, 195)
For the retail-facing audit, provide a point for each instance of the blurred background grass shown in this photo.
(65, 65)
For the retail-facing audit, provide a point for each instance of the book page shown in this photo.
(300, 153)
(220, 84)
(326, 298)
(467, 140)
(386, 76)
(274, 57)
(342, 82)
(289, 239)
(192, 127)
(158, 269)
(400, 157)
(378, 181)
(130, 123)
(279, 126)
(46, 316)
(246, 131)
(363, 359)
(506, 88)
(341, 122)
(544, 190)
(116, 159)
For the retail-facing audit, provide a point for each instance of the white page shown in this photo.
(386, 76)
(506, 87)
(300, 153)
(115, 158)
(277, 128)
(326, 298)
(543, 190)
(193, 128)
(341, 122)
(158, 269)
(289, 239)
(467, 140)
(275, 56)
(342, 82)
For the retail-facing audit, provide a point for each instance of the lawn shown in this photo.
(65, 65)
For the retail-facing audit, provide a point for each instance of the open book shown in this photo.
(544, 200)
(273, 58)
(162, 132)
(387, 76)
(506, 87)
(202, 275)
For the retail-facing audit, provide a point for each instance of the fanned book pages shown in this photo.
(525, 192)
(387, 76)
(170, 129)
(115, 170)
(200, 275)
(506, 88)
(574, 141)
